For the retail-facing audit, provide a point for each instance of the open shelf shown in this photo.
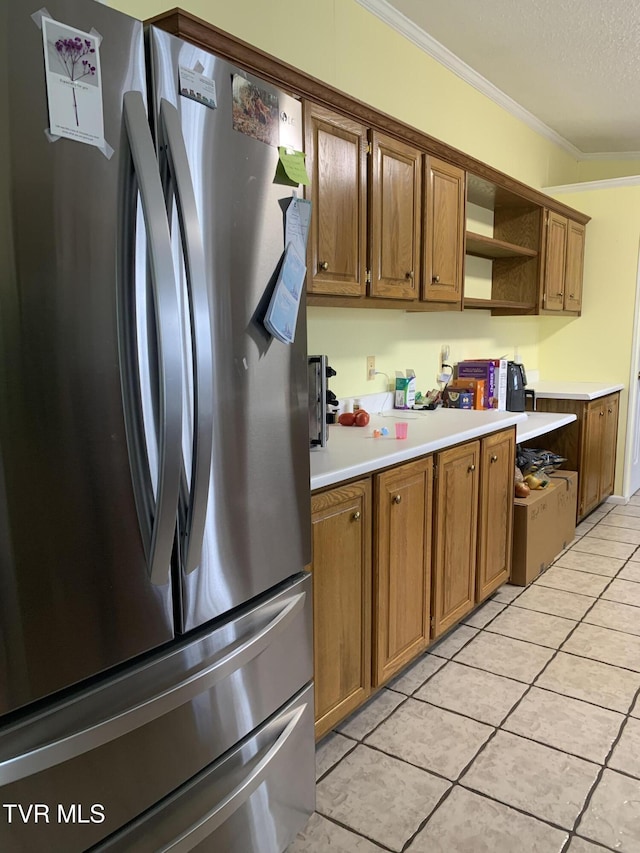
(490, 248)
(469, 302)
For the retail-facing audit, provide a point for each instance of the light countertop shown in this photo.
(566, 390)
(539, 423)
(353, 452)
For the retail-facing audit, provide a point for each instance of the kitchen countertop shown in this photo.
(353, 452)
(539, 423)
(565, 390)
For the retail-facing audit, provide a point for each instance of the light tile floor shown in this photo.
(519, 732)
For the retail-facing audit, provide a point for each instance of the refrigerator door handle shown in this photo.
(168, 334)
(201, 342)
(97, 733)
(211, 821)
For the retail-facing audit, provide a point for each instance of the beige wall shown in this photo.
(346, 46)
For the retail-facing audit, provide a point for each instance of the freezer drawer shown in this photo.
(133, 740)
(253, 800)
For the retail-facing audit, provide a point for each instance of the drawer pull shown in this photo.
(356, 516)
(397, 499)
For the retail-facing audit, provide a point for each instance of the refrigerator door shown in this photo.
(76, 590)
(121, 747)
(256, 798)
(257, 525)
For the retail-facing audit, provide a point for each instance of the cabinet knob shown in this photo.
(561, 293)
(356, 516)
(572, 296)
(601, 414)
(409, 274)
(435, 279)
(610, 411)
(494, 458)
(471, 468)
(397, 499)
(324, 265)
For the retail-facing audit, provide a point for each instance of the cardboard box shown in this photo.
(543, 524)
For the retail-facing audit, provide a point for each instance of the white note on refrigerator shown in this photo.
(282, 313)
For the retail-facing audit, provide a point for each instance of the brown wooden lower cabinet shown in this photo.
(454, 535)
(440, 545)
(588, 444)
(402, 566)
(495, 522)
(341, 569)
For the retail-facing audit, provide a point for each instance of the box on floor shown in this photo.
(543, 524)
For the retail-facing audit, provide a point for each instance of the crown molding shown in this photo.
(407, 28)
(607, 184)
(611, 155)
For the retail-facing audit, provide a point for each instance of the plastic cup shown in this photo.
(401, 429)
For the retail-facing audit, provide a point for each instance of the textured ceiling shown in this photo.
(573, 64)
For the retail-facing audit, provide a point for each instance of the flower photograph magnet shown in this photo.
(74, 83)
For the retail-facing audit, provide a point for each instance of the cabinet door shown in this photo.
(609, 442)
(495, 523)
(341, 568)
(402, 566)
(590, 457)
(455, 535)
(395, 218)
(555, 261)
(444, 227)
(336, 162)
(574, 267)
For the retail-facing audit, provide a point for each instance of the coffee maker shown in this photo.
(516, 388)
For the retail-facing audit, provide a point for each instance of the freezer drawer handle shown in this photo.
(201, 343)
(94, 736)
(159, 535)
(208, 824)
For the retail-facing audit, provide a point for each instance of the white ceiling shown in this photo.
(570, 68)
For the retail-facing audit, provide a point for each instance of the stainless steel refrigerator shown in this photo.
(155, 618)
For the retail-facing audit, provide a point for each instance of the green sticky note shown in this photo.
(291, 170)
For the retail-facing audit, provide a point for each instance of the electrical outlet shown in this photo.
(371, 367)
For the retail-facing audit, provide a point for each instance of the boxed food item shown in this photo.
(405, 395)
(459, 399)
(476, 386)
(543, 524)
(494, 373)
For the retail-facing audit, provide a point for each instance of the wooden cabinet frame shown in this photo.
(513, 273)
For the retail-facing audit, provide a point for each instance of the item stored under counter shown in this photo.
(543, 524)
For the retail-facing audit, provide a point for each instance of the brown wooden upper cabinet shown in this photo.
(395, 218)
(564, 261)
(444, 227)
(336, 158)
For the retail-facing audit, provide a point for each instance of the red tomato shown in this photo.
(362, 417)
(347, 419)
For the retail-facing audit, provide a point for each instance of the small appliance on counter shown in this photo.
(321, 398)
(516, 388)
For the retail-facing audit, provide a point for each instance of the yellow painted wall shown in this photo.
(603, 170)
(598, 345)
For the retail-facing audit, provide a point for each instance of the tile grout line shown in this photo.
(457, 782)
(604, 766)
